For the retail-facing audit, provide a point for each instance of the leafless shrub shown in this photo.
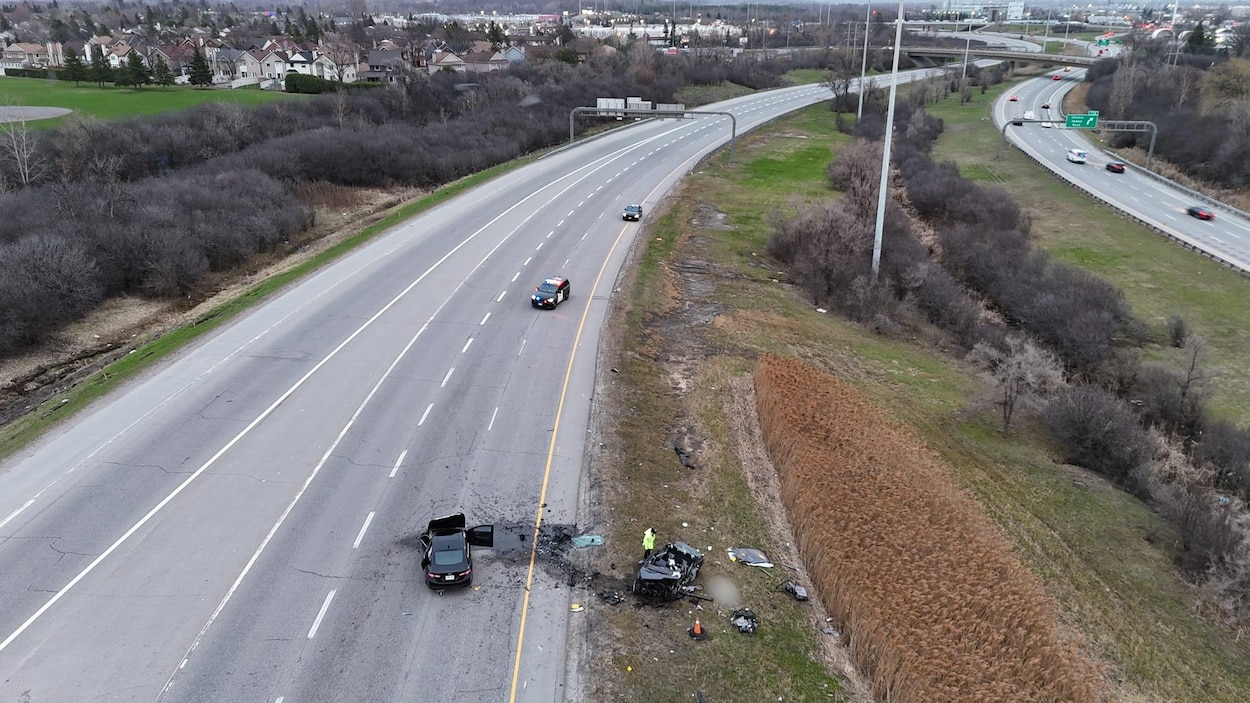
(1173, 398)
(1098, 432)
(1022, 371)
(1225, 448)
(1178, 331)
(856, 171)
(45, 280)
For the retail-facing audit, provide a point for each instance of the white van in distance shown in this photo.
(1077, 156)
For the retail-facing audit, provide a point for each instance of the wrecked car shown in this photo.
(448, 559)
(666, 575)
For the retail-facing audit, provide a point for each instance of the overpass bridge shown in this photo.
(1003, 54)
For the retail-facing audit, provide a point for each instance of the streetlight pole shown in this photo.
(1046, 36)
(863, 67)
(967, 44)
(885, 151)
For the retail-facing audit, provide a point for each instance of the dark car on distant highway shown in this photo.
(448, 558)
(1115, 167)
(632, 212)
(1200, 212)
(552, 292)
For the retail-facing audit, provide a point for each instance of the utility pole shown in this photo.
(885, 151)
(1046, 36)
(863, 66)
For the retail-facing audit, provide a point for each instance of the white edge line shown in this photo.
(312, 632)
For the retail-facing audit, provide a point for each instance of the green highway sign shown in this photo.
(1086, 121)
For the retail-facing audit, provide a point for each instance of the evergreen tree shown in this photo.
(161, 75)
(201, 72)
(137, 72)
(74, 68)
(1198, 42)
(496, 36)
(100, 71)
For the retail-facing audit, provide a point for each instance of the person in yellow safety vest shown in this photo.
(648, 542)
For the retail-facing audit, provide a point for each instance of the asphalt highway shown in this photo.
(1157, 203)
(241, 522)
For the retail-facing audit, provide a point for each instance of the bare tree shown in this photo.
(341, 111)
(19, 148)
(342, 52)
(1022, 372)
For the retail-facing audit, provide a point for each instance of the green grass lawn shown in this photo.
(1102, 555)
(111, 102)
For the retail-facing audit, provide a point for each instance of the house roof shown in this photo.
(483, 57)
(445, 57)
(385, 58)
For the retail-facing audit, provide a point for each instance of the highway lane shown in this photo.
(1153, 201)
(240, 523)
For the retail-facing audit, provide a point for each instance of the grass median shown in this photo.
(705, 303)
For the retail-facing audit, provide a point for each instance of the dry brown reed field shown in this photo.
(935, 605)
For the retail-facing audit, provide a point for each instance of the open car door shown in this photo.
(481, 536)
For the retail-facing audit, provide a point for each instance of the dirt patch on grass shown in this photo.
(121, 324)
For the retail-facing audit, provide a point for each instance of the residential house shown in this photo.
(226, 64)
(119, 55)
(177, 57)
(384, 66)
(484, 61)
(446, 60)
(24, 55)
(250, 64)
(514, 54)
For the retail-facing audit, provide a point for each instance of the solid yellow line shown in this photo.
(551, 449)
(551, 452)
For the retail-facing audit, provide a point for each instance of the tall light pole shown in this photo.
(885, 151)
(1046, 36)
(967, 44)
(863, 67)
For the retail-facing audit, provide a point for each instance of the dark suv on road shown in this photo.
(632, 212)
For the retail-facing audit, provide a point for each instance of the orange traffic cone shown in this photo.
(697, 632)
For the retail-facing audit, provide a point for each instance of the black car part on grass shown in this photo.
(666, 575)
